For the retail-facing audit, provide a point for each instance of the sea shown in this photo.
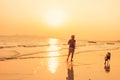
(27, 47)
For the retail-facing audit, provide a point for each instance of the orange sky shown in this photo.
(87, 19)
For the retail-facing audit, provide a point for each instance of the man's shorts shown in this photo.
(71, 50)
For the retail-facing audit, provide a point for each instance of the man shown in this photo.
(71, 44)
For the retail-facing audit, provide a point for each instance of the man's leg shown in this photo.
(72, 54)
(68, 55)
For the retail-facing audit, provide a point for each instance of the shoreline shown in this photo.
(86, 66)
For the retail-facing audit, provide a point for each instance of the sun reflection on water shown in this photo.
(53, 41)
(53, 61)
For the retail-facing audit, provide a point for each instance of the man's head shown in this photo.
(72, 36)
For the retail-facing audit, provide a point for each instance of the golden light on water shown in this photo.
(52, 65)
(52, 62)
(52, 41)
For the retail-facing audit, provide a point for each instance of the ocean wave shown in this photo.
(27, 46)
(9, 55)
(17, 55)
(79, 44)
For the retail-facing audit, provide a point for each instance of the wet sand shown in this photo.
(86, 66)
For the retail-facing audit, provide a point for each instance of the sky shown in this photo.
(87, 19)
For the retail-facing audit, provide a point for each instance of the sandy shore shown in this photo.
(86, 66)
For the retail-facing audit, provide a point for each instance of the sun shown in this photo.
(55, 16)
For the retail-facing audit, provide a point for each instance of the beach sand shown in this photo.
(86, 66)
